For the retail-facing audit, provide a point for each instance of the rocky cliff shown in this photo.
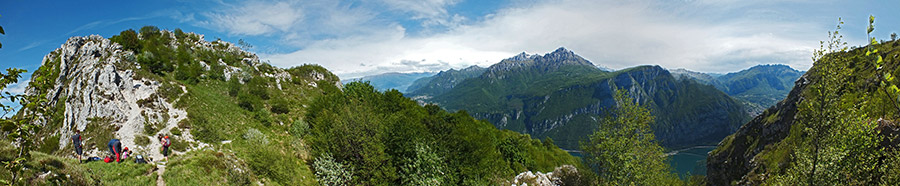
(94, 85)
(100, 88)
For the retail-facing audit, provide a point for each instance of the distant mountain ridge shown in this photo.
(560, 95)
(758, 87)
(443, 81)
(392, 80)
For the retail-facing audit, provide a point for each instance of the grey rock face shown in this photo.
(94, 82)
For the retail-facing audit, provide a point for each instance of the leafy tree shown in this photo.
(188, 70)
(23, 126)
(149, 30)
(838, 142)
(128, 39)
(889, 88)
(244, 44)
(623, 149)
(389, 139)
(179, 34)
(425, 168)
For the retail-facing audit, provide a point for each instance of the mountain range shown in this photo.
(758, 87)
(560, 95)
(392, 80)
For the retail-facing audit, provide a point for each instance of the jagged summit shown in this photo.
(522, 57)
(547, 62)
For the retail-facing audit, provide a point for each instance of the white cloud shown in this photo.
(609, 33)
(15, 89)
(256, 17)
(432, 12)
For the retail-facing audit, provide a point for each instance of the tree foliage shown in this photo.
(388, 139)
(838, 143)
(623, 149)
(21, 128)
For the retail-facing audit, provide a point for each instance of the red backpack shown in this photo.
(107, 159)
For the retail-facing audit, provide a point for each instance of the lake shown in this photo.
(684, 161)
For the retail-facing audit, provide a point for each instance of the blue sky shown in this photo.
(356, 38)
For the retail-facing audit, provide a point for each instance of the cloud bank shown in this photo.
(360, 38)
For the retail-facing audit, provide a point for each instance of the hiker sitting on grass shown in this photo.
(76, 141)
(115, 147)
(125, 153)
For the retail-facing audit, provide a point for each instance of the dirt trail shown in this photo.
(161, 168)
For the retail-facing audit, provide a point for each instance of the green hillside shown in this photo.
(235, 120)
(836, 127)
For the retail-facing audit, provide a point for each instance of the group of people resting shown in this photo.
(117, 153)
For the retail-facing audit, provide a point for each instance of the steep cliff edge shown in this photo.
(763, 147)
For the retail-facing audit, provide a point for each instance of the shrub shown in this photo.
(128, 39)
(206, 134)
(280, 107)
(263, 116)
(175, 131)
(299, 128)
(259, 88)
(151, 128)
(234, 87)
(256, 137)
(247, 102)
(149, 30)
(178, 144)
(142, 140)
(425, 167)
(330, 172)
(98, 132)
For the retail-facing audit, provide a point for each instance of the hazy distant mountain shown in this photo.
(443, 81)
(560, 95)
(392, 80)
(759, 87)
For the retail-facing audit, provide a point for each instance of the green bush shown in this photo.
(142, 140)
(98, 132)
(280, 107)
(299, 128)
(129, 40)
(272, 164)
(330, 172)
(178, 144)
(175, 131)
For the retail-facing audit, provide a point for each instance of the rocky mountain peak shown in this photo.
(547, 62)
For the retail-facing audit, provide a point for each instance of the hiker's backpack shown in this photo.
(139, 159)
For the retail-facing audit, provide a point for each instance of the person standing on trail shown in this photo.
(76, 141)
(165, 147)
(115, 147)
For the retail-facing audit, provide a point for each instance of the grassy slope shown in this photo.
(773, 149)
